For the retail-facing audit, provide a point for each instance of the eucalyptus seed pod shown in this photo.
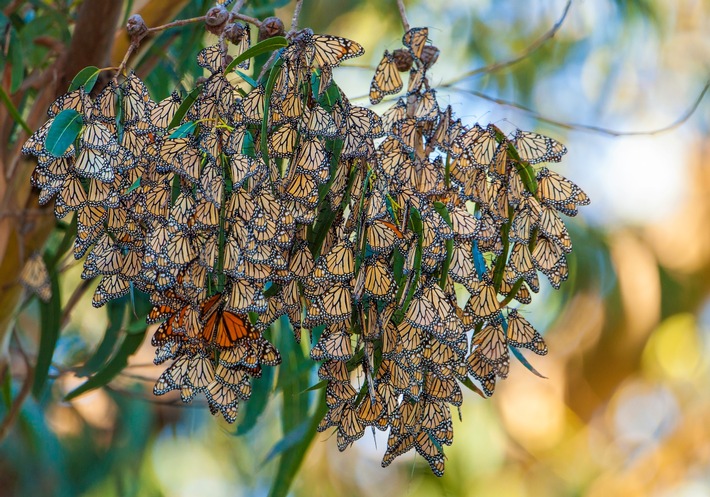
(430, 54)
(402, 59)
(136, 28)
(234, 32)
(216, 19)
(270, 27)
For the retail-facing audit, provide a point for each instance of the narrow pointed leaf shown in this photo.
(50, 323)
(114, 366)
(268, 45)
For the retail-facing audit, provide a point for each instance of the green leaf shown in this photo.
(86, 77)
(184, 130)
(267, 100)
(415, 221)
(63, 131)
(444, 213)
(116, 310)
(189, 101)
(13, 111)
(288, 441)
(268, 45)
(135, 185)
(50, 317)
(247, 78)
(257, 402)
(519, 356)
(114, 366)
(292, 459)
(472, 386)
(17, 61)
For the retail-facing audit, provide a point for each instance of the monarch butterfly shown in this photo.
(383, 236)
(333, 370)
(35, 277)
(323, 50)
(135, 99)
(93, 163)
(526, 217)
(282, 142)
(182, 156)
(311, 159)
(339, 392)
(316, 121)
(245, 297)
(224, 327)
(443, 388)
(334, 344)
(111, 287)
(350, 428)
(252, 105)
(338, 264)
(484, 303)
(379, 280)
(415, 40)
(421, 312)
(522, 266)
(427, 108)
(522, 334)
(490, 356)
(559, 192)
(303, 189)
(77, 100)
(553, 228)
(535, 148)
(371, 409)
(301, 263)
(211, 58)
(242, 35)
(386, 81)
(546, 255)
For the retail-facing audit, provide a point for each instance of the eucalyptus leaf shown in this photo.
(64, 130)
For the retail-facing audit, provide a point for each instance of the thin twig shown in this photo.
(590, 128)
(73, 300)
(296, 14)
(403, 15)
(242, 17)
(271, 60)
(131, 48)
(524, 55)
(21, 396)
(11, 8)
(174, 24)
(238, 6)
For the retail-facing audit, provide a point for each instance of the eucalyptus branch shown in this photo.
(524, 55)
(403, 15)
(21, 396)
(242, 17)
(73, 300)
(175, 24)
(296, 14)
(590, 128)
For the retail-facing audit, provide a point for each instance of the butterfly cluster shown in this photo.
(400, 242)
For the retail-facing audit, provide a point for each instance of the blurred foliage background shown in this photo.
(625, 405)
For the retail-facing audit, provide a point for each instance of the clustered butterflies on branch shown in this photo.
(248, 201)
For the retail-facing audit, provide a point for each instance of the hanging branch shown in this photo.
(21, 396)
(403, 15)
(296, 14)
(590, 128)
(524, 55)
